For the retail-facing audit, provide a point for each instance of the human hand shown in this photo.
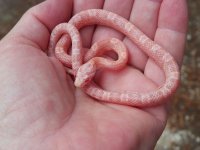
(40, 107)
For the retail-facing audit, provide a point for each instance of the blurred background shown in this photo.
(183, 128)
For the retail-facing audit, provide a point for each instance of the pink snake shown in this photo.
(84, 66)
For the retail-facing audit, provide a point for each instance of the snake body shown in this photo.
(83, 66)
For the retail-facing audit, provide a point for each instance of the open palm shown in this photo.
(40, 109)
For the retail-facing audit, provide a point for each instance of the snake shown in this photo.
(83, 65)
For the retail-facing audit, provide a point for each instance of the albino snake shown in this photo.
(84, 66)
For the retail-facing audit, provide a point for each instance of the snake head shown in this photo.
(85, 74)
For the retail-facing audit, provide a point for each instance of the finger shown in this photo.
(145, 16)
(80, 5)
(36, 24)
(171, 32)
(103, 32)
(117, 6)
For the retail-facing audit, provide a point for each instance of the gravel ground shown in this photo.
(182, 131)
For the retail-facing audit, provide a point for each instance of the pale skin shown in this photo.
(40, 107)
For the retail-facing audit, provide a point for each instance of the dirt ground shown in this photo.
(183, 128)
